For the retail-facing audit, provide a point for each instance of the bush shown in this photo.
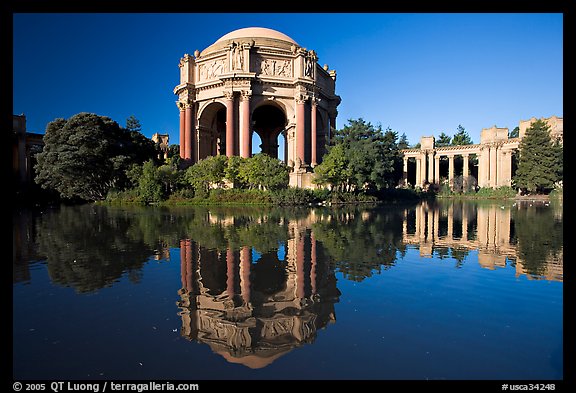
(293, 196)
(239, 196)
(500, 192)
(116, 197)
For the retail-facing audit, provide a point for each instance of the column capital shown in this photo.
(228, 95)
(245, 95)
(301, 98)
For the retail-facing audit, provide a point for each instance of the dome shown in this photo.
(260, 35)
(253, 32)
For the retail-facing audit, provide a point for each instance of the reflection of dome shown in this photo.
(260, 35)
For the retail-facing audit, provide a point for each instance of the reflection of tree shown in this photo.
(87, 249)
(361, 241)
(539, 237)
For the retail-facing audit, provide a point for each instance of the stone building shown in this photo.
(256, 80)
(24, 145)
(493, 154)
(162, 141)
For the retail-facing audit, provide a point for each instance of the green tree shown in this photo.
(264, 172)
(207, 173)
(540, 163)
(232, 171)
(461, 137)
(515, 133)
(133, 124)
(150, 185)
(87, 155)
(443, 140)
(403, 142)
(366, 157)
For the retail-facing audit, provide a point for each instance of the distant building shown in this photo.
(555, 123)
(24, 146)
(161, 141)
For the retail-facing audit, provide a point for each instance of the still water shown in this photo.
(435, 290)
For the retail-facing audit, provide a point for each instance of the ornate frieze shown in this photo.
(211, 69)
(269, 66)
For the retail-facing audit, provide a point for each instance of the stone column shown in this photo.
(313, 136)
(437, 169)
(245, 264)
(189, 140)
(483, 166)
(506, 173)
(245, 125)
(499, 166)
(300, 129)
(431, 166)
(451, 171)
(418, 169)
(230, 140)
(182, 111)
(492, 181)
(465, 172)
(405, 171)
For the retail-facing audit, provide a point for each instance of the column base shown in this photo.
(301, 179)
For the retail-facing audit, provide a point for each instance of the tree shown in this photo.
(443, 140)
(403, 142)
(87, 155)
(264, 172)
(361, 158)
(133, 124)
(207, 173)
(461, 137)
(149, 184)
(540, 163)
(515, 133)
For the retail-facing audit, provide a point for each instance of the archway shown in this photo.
(268, 122)
(212, 131)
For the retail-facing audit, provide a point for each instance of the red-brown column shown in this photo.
(230, 125)
(300, 130)
(313, 134)
(182, 131)
(245, 126)
(230, 272)
(183, 266)
(188, 137)
(245, 263)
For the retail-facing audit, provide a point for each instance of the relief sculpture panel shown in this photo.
(211, 69)
(274, 67)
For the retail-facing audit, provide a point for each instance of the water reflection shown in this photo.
(254, 311)
(257, 283)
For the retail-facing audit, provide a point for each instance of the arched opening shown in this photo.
(212, 131)
(268, 122)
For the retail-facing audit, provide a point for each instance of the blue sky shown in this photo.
(419, 74)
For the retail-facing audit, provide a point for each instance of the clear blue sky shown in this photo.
(419, 74)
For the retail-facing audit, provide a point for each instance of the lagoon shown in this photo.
(432, 290)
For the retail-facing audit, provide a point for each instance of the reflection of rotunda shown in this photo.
(256, 80)
(253, 312)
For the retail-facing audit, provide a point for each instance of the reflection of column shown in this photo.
(431, 166)
(405, 224)
(464, 223)
(429, 232)
(451, 221)
(300, 267)
(405, 171)
(313, 262)
(437, 169)
(491, 227)
(503, 216)
(245, 263)
(186, 264)
(245, 125)
(230, 262)
(313, 133)
(229, 124)
(436, 232)
(451, 171)
(482, 226)
(420, 222)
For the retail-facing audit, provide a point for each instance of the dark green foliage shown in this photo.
(515, 133)
(87, 155)
(149, 184)
(293, 196)
(540, 164)
(263, 172)
(206, 173)
(360, 158)
(442, 140)
(461, 137)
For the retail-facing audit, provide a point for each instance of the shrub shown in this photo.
(293, 196)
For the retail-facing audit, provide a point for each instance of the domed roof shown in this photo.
(253, 32)
(261, 36)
